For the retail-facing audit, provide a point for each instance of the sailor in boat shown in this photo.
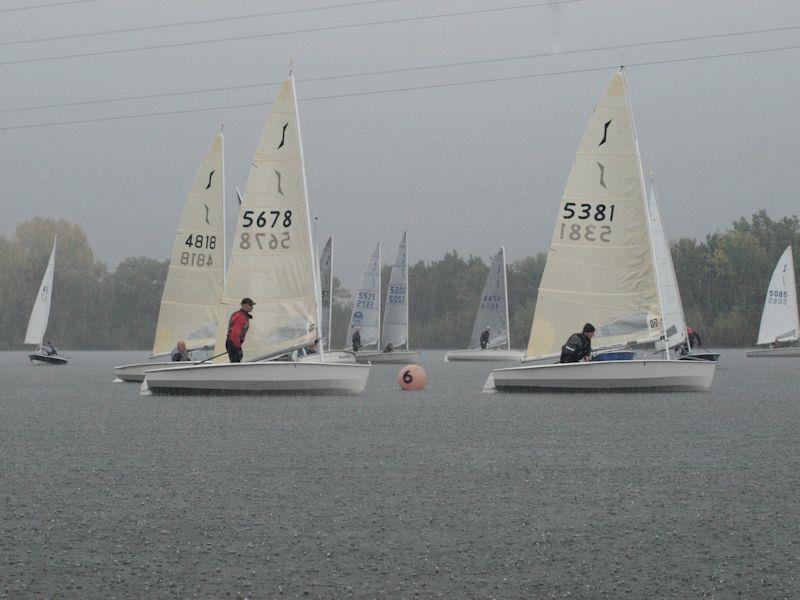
(485, 338)
(389, 348)
(49, 349)
(309, 350)
(694, 338)
(180, 353)
(356, 339)
(238, 325)
(579, 346)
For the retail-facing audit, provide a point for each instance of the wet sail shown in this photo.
(326, 290)
(493, 307)
(40, 315)
(395, 312)
(779, 321)
(366, 313)
(599, 265)
(190, 302)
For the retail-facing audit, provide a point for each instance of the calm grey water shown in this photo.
(445, 493)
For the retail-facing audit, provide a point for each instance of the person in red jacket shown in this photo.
(238, 325)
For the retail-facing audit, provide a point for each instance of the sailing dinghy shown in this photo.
(600, 270)
(196, 273)
(674, 320)
(40, 315)
(492, 314)
(273, 262)
(779, 322)
(393, 348)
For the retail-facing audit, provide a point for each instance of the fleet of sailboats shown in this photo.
(190, 301)
(491, 320)
(600, 269)
(779, 331)
(273, 262)
(40, 317)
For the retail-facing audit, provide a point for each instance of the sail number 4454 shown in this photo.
(590, 229)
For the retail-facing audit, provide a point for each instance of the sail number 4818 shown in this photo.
(588, 230)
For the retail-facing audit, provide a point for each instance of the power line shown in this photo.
(292, 32)
(411, 88)
(713, 36)
(53, 5)
(189, 23)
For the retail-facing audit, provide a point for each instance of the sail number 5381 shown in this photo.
(598, 212)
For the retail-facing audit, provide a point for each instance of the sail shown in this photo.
(40, 315)
(366, 313)
(395, 313)
(326, 290)
(493, 307)
(779, 321)
(674, 321)
(190, 302)
(599, 265)
(272, 260)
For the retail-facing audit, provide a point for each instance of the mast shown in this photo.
(647, 214)
(380, 288)
(408, 296)
(330, 301)
(505, 296)
(314, 265)
(224, 226)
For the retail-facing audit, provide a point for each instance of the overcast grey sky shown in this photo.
(467, 167)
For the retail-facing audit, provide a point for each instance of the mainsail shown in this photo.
(779, 321)
(599, 265)
(272, 260)
(674, 321)
(40, 315)
(395, 313)
(196, 275)
(493, 307)
(366, 313)
(326, 290)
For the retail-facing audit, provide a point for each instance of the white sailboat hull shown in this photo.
(332, 356)
(791, 352)
(45, 360)
(398, 357)
(269, 377)
(623, 375)
(495, 355)
(135, 372)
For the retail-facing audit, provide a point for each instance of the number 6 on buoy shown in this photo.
(412, 378)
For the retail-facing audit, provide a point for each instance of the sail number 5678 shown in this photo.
(265, 220)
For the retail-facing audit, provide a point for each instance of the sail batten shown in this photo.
(40, 315)
(780, 321)
(599, 265)
(272, 259)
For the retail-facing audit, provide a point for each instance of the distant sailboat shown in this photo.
(273, 262)
(394, 347)
(492, 318)
(196, 275)
(366, 314)
(40, 316)
(600, 269)
(780, 324)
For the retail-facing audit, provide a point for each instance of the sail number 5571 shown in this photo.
(265, 220)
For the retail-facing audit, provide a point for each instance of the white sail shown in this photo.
(779, 321)
(493, 307)
(599, 265)
(272, 260)
(326, 290)
(190, 302)
(366, 313)
(395, 312)
(40, 315)
(674, 321)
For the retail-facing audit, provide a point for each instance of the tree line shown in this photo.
(723, 280)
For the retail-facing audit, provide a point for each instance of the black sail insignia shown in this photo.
(283, 136)
(210, 175)
(278, 175)
(602, 174)
(605, 133)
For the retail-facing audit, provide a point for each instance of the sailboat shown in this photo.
(190, 301)
(40, 315)
(600, 269)
(492, 315)
(674, 320)
(366, 314)
(394, 348)
(273, 262)
(780, 326)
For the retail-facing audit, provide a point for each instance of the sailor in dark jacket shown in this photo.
(578, 346)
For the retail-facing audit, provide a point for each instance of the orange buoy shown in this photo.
(412, 378)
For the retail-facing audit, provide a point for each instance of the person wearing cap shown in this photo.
(579, 346)
(238, 325)
(180, 352)
(485, 338)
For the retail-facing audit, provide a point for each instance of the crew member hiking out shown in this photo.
(238, 325)
(485, 338)
(578, 346)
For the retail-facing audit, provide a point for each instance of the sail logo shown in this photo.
(605, 133)
(210, 176)
(283, 136)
